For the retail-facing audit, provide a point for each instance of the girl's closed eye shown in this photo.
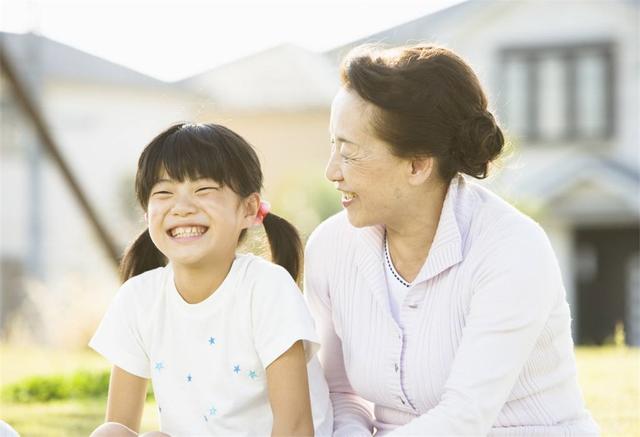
(207, 189)
(161, 193)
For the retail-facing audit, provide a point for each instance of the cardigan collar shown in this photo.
(445, 251)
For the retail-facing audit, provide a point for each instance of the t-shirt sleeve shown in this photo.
(280, 317)
(118, 336)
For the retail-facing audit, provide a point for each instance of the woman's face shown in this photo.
(372, 180)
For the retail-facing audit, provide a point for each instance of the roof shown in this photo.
(285, 77)
(54, 60)
(432, 27)
(571, 182)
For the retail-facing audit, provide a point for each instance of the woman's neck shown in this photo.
(195, 283)
(411, 235)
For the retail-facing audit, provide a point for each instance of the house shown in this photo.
(563, 78)
(101, 115)
(279, 100)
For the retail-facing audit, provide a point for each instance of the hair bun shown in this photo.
(477, 141)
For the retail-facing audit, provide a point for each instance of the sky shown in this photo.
(173, 39)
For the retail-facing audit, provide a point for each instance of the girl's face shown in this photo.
(196, 222)
(372, 180)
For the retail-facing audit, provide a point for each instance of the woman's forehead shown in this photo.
(350, 117)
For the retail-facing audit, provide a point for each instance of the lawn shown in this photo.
(609, 377)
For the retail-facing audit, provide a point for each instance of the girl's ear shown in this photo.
(146, 218)
(251, 204)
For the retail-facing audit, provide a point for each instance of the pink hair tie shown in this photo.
(263, 210)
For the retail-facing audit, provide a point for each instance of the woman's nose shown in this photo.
(333, 172)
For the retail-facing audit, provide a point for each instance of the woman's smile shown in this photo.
(348, 198)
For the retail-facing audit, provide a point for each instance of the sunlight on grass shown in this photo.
(65, 419)
(18, 362)
(610, 381)
(609, 377)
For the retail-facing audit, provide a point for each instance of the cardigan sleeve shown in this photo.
(514, 289)
(352, 415)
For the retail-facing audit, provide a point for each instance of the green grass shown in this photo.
(609, 377)
(65, 419)
(610, 380)
(72, 418)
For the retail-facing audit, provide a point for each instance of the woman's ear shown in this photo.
(421, 169)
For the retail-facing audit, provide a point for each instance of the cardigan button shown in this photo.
(396, 367)
(413, 306)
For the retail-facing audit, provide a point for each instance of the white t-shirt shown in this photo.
(207, 360)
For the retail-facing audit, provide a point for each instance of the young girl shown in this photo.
(225, 338)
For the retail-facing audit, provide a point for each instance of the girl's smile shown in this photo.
(194, 221)
(187, 232)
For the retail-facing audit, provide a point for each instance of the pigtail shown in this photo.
(285, 244)
(142, 255)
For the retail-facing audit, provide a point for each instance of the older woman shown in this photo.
(436, 300)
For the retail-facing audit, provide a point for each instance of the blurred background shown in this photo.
(85, 85)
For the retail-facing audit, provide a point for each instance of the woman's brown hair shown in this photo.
(192, 151)
(428, 102)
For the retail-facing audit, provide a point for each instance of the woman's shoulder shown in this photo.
(494, 217)
(499, 232)
(333, 229)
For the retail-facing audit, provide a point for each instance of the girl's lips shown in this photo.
(186, 239)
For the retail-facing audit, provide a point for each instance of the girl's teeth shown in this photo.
(183, 232)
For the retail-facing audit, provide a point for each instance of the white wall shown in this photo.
(101, 131)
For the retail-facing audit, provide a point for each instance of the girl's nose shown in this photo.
(184, 205)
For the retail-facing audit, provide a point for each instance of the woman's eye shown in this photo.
(162, 193)
(346, 158)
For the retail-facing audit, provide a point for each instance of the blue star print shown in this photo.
(212, 341)
(236, 368)
(189, 378)
(252, 374)
(212, 411)
(159, 365)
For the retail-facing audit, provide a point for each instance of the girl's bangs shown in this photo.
(183, 156)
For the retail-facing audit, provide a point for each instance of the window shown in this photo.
(558, 92)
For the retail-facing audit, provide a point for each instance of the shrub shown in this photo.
(78, 385)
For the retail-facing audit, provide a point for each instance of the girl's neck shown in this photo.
(195, 283)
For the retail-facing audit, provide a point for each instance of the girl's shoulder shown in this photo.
(255, 270)
(145, 287)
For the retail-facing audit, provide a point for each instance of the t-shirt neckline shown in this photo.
(214, 300)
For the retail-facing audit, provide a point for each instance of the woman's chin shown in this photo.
(357, 220)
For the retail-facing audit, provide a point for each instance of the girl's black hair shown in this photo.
(192, 151)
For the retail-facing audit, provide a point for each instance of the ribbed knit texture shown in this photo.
(483, 345)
